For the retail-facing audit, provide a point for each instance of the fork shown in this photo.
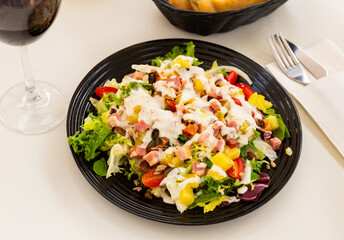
(286, 59)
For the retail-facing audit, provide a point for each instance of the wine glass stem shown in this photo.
(31, 94)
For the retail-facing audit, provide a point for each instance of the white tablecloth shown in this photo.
(43, 195)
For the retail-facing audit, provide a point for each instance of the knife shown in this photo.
(313, 66)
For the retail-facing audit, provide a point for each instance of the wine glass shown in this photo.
(33, 106)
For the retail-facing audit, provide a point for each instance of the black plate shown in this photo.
(118, 189)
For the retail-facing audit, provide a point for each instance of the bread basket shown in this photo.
(205, 23)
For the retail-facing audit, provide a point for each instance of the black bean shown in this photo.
(260, 123)
(152, 77)
(151, 144)
(251, 155)
(121, 131)
(132, 140)
(155, 133)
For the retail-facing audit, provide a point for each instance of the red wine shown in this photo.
(24, 21)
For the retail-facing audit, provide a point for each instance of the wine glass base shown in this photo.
(35, 116)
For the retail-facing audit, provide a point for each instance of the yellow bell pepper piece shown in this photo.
(198, 85)
(222, 160)
(104, 117)
(179, 63)
(271, 123)
(215, 175)
(259, 102)
(232, 153)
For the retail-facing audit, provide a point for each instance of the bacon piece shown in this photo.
(215, 105)
(219, 145)
(198, 168)
(141, 126)
(275, 143)
(204, 139)
(152, 158)
(183, 153)
(114, 120)
(137, 152)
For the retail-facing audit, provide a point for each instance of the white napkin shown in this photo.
(323, 99)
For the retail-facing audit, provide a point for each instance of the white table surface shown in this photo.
(43, 195)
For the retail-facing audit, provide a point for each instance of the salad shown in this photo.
(193, 137)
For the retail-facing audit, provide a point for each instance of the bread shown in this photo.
(213, 5)
(183, 4)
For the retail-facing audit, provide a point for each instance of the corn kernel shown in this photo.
(288, 151)
(186, 196)
(133, 119)
(137, 108)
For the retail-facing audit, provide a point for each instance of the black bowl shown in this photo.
(118, 189)
(205, 23)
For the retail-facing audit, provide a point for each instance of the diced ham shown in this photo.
(212, 92)
(232, 143)
(214, 105)
(198, 168)
(141, 126)
(152, 158)
(275, 143)
(219, 145)
(204, 139)
(174, 82)
(114, 120)
(183, 153)
(137, 152)
(233, 124)
(217, 125)
(136, 75)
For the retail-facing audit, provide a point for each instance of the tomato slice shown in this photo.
(151, 180)
(104, 89)
(232, 77)
(237, 169)
(171, 105)
(237, 101)
(190, 130)
(246, 90)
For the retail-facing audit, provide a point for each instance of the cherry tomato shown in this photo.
(104, 89)
(190, 130)
(151, 180)
(237, 169)
(246, 89)
(232, 77)
(237, 101)
(171, 105)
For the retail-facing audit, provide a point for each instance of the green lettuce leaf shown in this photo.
(188, 50)
(99, 167)
(88, 141)
(113, 139)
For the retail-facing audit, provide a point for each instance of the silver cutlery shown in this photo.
(286, 59)
(313, 66)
